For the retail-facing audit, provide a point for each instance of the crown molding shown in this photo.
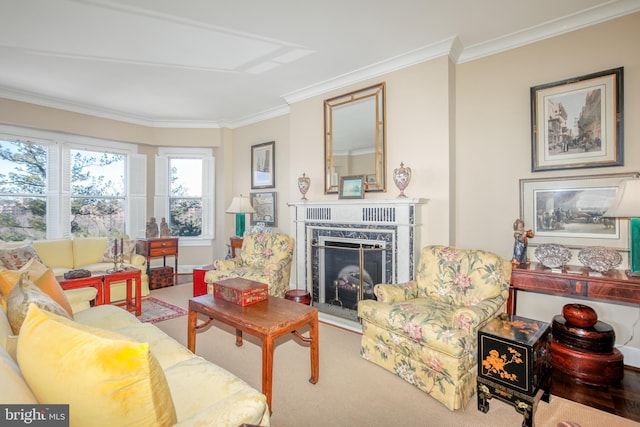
(45, 101)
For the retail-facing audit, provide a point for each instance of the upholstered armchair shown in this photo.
(425, 330)
(265, 258)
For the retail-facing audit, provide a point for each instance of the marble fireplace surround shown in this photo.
(392, 222)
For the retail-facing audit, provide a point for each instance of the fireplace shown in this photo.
(347, 270)
(345, 247)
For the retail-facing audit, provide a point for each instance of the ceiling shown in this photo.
(213, 63)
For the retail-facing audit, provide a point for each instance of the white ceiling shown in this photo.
(209, 63)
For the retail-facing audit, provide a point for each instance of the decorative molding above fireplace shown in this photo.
(388, 223)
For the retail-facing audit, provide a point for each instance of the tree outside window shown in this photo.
(185, 199)
(23, 201)
(98, 193)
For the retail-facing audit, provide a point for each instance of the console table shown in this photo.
(615, 286)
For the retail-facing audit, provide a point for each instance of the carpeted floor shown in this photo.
(350, 390)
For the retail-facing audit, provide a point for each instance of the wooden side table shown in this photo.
(129, 275)
(94, 280)
(236, 243)
(156, 248)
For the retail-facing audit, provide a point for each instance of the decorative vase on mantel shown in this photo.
(402, 177)
(304, 182)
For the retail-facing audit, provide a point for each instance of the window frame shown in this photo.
(162, 189)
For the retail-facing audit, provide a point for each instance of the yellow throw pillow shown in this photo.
(106, 379)
(9, 278)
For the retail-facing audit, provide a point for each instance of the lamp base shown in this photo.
(240, 218)
(634, 247)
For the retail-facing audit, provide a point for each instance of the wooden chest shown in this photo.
(160, 277)
(162, 246)
(240, 291)
(514, 363)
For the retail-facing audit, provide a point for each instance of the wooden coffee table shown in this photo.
(266, 320)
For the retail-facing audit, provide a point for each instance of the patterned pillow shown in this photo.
(16, 258)
(129, 249)
(24, 293)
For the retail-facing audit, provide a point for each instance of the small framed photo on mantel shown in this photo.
(351, 187)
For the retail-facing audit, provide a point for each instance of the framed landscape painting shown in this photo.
(265, 207)
(578, 122)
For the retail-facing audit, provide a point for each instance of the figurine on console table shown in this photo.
(521, 238)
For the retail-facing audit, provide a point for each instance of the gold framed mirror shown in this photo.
(355, 138)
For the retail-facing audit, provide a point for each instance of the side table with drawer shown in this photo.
(514, 363)
(156, 248)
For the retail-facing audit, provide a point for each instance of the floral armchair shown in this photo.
(425, 330)
(265, 258)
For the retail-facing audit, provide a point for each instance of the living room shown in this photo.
(464, 128)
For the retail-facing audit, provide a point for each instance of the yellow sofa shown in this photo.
(80, 364)
(62, 255)
(425, 330)
(265, 258)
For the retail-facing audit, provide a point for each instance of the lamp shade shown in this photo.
(240, 205)
(627, 202)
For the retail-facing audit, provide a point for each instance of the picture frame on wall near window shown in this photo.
(578, 122)
(265, 207)
(351, 187)
(263, 165)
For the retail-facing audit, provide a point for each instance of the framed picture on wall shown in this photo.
(263, 165)
(569, 210)
(578, 122)
(265, 207)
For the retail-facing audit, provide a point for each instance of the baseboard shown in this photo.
(631, 356)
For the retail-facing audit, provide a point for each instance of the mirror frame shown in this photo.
(379, 182)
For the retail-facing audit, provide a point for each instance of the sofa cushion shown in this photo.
(9, 278)
(24, 294)
(106, 379)
(128, 251)
(88, 250)
(56, 253)
(16, 258)
(42, 276)
(14, 390)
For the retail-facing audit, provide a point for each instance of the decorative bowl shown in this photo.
(553, 256)
(600, 258)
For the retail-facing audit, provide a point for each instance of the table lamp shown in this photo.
(240, 206)
(627, 205)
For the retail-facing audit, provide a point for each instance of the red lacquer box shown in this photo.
(240, 291)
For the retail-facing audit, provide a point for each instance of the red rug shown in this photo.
(154, 310)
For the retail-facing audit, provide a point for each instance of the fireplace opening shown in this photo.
(347, 271)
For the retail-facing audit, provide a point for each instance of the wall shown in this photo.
(493, 142)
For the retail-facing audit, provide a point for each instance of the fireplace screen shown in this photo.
(347, 272)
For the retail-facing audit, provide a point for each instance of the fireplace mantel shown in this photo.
(391, 220)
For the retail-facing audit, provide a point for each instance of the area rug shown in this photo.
(154, 310)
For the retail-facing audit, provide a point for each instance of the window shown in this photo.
(54, 185)
(23, 188)
(184, 191)
(97, 193)
(185, 197)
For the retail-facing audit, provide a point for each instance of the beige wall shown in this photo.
(493, 141)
